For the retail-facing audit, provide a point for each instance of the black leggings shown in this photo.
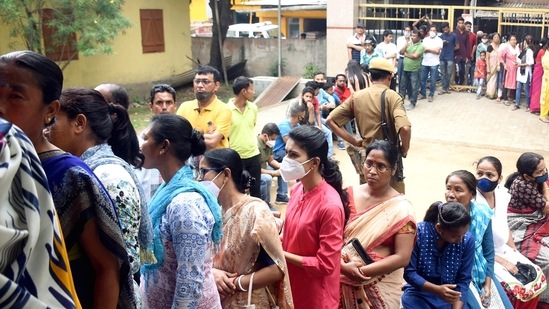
(253, 166)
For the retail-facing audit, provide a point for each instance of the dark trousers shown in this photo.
(253, 166)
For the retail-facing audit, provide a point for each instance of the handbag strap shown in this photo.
(271, 297)
(250, 288)
(384, 125)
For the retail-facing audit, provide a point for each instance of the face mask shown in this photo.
(270, 143)
(203, 96)
(486, 185)
(542, 179)
(432, 34)
(406, 34)
(212, 187)
(484, 40)
(291, 169)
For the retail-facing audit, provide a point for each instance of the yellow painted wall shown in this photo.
(273, 17)
(198, 9)
(127, 64)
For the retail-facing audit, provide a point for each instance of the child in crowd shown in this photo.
(480, 73)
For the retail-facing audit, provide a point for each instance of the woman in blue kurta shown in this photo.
(439, 271)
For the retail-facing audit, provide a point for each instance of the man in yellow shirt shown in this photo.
(242, 136)
(207, 113)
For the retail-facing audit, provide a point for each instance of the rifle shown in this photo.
(397, 143)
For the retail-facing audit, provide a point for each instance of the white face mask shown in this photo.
(432, 34)
(484, 40)
(270, 143)
(291, 169)
(212, 187)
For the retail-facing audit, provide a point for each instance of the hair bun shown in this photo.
(198, 145)
(247, 180)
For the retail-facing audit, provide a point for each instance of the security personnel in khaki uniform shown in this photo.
(365, 107)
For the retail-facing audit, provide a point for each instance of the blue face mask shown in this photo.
(486, 185)
(542, 179)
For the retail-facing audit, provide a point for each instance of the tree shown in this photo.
(224, 14)
(65, 28)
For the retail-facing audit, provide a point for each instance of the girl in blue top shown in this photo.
(439, 271)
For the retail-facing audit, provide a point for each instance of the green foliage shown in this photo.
(273, 69)
(310, 69)
(94, 22)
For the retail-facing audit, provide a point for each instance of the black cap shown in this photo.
(360, 25)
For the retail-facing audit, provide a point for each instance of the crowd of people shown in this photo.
(99, 216)
(509, 69)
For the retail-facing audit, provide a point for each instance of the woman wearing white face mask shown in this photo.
(315, 217)
(251, 248)
(186, 220)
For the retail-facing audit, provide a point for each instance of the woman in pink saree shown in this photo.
(250, 248)
(508, 57)
(537, 77)
(382, 220)
(493, 68)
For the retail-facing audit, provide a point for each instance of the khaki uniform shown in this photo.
(365, 107)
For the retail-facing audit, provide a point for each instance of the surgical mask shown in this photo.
(542, 179)
(407, 34)
(484, 40)
(270, 143)
(291, 169)
(212, 187)
(203, 96)
(486, 185)
(432, 34)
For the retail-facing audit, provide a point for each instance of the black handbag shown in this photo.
(385, 129)
(526, 273)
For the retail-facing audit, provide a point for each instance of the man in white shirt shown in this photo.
(388, 50)
(430, 63)
(355, 43)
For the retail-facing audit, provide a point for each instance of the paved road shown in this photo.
(448, 134)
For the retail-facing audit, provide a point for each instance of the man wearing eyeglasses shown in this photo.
(207, 113)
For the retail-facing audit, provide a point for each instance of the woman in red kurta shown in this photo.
(315, 217)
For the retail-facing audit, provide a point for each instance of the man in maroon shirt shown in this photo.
(470, 66)
(463, 54)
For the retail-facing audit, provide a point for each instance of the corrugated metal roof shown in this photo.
(277, 91)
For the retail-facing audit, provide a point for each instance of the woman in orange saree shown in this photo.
(382, 220)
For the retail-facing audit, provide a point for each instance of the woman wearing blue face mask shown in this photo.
(528, 209)
(186, 220)
(489, 192)
(250, 249)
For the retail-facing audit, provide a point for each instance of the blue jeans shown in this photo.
(526, 91)
(413, 79)
(266, 182)
(282, 185)
(339, 139)
(446, 71)
(399, 74)
(433, 72)
(328, 134)
(479, 82)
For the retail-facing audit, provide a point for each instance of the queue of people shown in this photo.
(165, 219)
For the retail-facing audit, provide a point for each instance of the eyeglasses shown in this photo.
(203, 171)
(379, 167)
(204, 82)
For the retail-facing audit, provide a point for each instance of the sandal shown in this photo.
(528, 110)
(507, 103)
(515, 107)
(546, 120)
(498, 99)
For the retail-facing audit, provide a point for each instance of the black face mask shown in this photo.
(486, 185)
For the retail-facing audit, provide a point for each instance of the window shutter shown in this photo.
(54, 51)
(152, 31)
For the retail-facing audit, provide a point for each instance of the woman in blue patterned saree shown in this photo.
(30, 86)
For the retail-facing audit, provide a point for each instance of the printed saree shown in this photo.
(372, 227)
(79, 197)
(247, 226)
(34, 270)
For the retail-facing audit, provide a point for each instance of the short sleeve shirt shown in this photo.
(216, 114)
(385, 49)
(264, 152)
(430, 59)
(449, 42)
(365, 107)
(242, 133)
(413, 65)
(525, 197)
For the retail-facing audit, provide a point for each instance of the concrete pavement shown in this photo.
(448, 134)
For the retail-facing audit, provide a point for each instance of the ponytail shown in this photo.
(123, 139)
(332, 175)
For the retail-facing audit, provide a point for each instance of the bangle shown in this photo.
(239, 284)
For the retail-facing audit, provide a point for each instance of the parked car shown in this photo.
(257, 30)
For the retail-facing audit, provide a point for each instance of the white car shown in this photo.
(257, 30)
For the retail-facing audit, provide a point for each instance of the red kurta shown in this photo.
(314, 229)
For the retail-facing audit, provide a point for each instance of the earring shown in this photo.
(48, 120)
